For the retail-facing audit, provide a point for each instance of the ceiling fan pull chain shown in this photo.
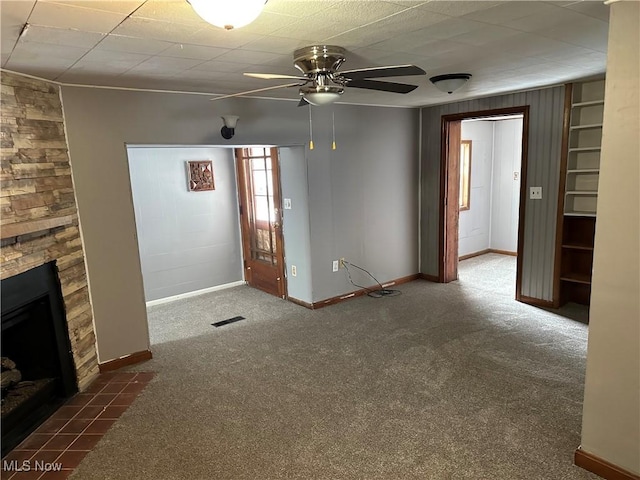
(333, 123)
(310, 130)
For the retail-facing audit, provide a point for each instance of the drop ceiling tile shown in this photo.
(298, 8)
(457, 8)
(165, 66)
(542, 21)
(268, 23)
(585, 32)
(116, 6)
(508, 11)
(14, 15)
(79, 18)
(251, 57)
(593, 9)
(451, 27)
(48, 69)
(94, 69)
(176, 12)
(40, 52)
(280, 45)
(61, 36)
(109, 59)
(218, 66)
(123, 43)
(155, 29)
(201, 52)
(486, 35)
(217, 37)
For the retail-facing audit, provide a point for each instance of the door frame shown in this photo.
(244, 223)
(449, 181)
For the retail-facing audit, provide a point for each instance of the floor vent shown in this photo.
(227, 321)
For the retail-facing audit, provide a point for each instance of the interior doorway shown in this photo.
(467, 187)
(261, 219)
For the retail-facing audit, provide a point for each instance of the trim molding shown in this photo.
(359, 293)
(503, 252)
(536, 302)
(195, 293)
(488, 250)
(125, 361)
(429, 278)
(301, 303)
(597, 465)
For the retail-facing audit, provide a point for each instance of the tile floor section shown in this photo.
(64, 439)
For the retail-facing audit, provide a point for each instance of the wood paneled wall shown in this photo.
(545, 141)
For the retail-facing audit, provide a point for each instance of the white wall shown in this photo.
(475, 223)
(188, 241)
(611, 417)
(505, 202)
(496, 154)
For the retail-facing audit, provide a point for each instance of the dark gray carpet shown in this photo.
(442, 382)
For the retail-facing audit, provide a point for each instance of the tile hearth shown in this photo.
(63, 440)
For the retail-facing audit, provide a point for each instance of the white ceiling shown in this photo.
(163, 44)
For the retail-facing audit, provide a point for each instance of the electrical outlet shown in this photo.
(336, 265)
(341, 262)
(294, 271)
(535, 193)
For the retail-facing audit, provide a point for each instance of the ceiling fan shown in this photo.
(321, 83)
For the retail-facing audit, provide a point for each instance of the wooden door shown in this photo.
(452, 200)
(261, 218)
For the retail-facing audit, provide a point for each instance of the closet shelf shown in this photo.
(584, 170)
(585, 149)
(588, 104)
(576, 278)
(582, 192)
(586, 127)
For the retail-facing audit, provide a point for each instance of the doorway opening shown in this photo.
(482, 177)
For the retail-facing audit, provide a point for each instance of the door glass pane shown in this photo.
(256, 152)
(261, 206)
(260, 182)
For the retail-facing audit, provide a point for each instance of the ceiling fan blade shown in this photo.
(380, 72)
(302, 102)
(273, 76)
(258, 90)
(382, 86)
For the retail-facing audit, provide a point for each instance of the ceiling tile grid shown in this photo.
(505, 45)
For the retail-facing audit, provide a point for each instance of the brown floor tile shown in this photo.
(71, 459)
(123, 377)
(45, 456)
(113, 387)
(77, 425)
(86, 441)
(67, 412)
(60, 441)
(61, 475)
(95, 387)
(90, 412)
(134, 387)
(144, 377)
(81, 399)
(35, 441)
(102, 399)
(113, 412)
(53, 425)
(124, 399)
(99, 426)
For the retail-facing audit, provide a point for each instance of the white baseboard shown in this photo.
(195, 293)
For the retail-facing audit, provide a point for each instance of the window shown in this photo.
(465, 174)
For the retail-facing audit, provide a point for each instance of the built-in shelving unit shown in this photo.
(581, 171)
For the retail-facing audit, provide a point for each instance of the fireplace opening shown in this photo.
(38, 374)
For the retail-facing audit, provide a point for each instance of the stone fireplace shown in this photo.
(39, 222)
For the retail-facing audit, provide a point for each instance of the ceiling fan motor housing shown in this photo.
(318, 59)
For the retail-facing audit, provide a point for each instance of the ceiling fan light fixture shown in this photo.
(228, 14)
(322, 94)
(450, 82)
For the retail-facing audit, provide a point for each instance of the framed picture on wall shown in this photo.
(200, 176)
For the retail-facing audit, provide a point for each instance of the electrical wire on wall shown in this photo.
(382, 292)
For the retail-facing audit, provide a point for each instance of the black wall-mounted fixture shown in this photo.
(229, 128)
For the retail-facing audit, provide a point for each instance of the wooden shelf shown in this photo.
(585, 149)
(578, 247)
(584, 170)
(576, 278)
(582, 192)
(24, 228)
(579, 214)
(586, 127)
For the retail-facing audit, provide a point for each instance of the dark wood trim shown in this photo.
(597, 465)
(363, 291)
(503, 252)
(301, 303)
(536, 302)
(429, 278)
(564, 156)
(453, 137)
(524, 168)
(474, 254)
(125, 361)
(520, 110)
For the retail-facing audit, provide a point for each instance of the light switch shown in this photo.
(287, 203)
(535, 193)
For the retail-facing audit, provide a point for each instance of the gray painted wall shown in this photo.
(188, 241)
(295, 222)
(545, 141)
(362, 197)
(505, 190)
